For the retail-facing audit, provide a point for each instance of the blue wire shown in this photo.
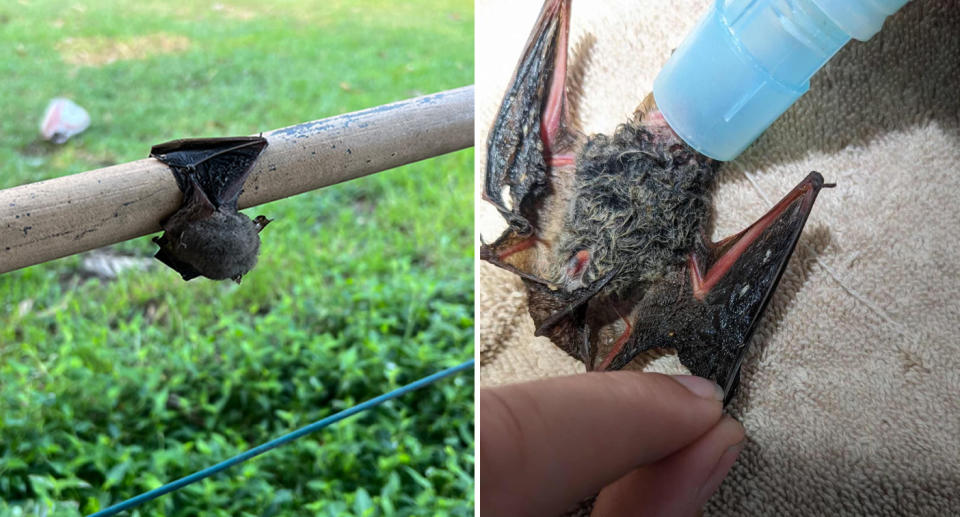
(256, 451)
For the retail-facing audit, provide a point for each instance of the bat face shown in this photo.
(609, 232)
(207, 236)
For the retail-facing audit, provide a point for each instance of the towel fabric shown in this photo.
(850, 393)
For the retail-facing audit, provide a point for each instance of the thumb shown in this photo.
(680, 484)
(545, 445)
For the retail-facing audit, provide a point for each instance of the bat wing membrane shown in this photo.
(220, 165)
(722, 293)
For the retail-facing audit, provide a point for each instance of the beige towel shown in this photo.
(850, 393)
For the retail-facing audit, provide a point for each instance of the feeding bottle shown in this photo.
(747, 61)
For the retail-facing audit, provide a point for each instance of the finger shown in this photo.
(545, 445)
(680, 484)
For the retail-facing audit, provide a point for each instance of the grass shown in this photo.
(111, 388)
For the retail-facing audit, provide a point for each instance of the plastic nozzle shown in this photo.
(747, 61)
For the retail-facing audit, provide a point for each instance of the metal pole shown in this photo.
(59, 217)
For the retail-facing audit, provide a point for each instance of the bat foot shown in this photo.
(261, 222)
(816, 180)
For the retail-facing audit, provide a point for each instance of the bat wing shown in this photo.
(187, 271)
(530, 132)
(708, 310)
(220, 165)
(559, 315)
(196, 206)
(562, 316)
(561, 319)
(531, 157)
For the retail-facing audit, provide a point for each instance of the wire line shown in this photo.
(289, 437)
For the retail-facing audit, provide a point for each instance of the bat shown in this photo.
(610, 233)
(207, 236)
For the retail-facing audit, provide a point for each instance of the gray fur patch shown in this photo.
(642, 200)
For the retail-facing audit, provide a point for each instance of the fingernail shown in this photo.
(719, 472)
(701, 387)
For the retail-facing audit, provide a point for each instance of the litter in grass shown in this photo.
(108, 265)
(62, 120)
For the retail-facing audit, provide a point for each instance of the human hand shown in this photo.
(655, 444)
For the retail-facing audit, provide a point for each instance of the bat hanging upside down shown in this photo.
(609, 233)
(207, 236)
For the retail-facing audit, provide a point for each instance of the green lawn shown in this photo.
(111, 388)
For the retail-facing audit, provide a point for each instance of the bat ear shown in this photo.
(647, 106)
(531, 127)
